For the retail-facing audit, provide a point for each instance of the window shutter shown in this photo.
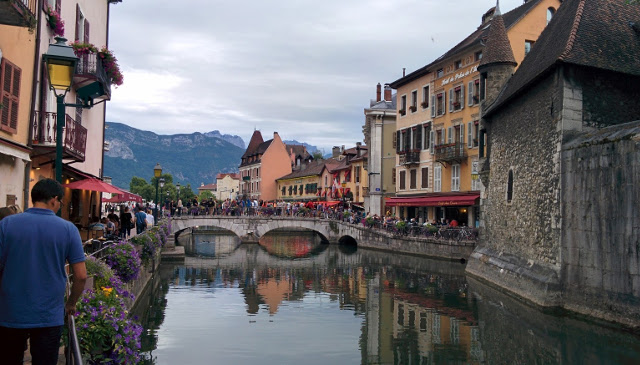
(405, 145)
(450, 135)
(58, 6)
(470, 96)
(397, 141)
(461, 96)
(77, 38)
(432, 141)
(403, 179)
(461, 135)
(469, 135)
(419, 137)
(451, 100)
(10, 96)
(86, 31)
(425, 177)
(433, 106)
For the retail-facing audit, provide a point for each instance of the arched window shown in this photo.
(550, 13)
(510, 187)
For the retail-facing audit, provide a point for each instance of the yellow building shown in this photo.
(17, 47)
(437, 136)
(227, 186)
(303, 184)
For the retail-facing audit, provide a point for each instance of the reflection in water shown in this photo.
(293, 245)
(209, 242)
(366, 307)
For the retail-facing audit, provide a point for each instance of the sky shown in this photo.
(305, 69)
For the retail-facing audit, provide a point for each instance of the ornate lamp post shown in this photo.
(157, 172)
(61, 66)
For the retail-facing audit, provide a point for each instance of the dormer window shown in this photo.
(457, 64)
(550, 13)
(439, 73)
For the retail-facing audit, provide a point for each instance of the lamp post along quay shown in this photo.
(157, 171)
(179, 209)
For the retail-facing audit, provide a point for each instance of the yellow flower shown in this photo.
(106, 291)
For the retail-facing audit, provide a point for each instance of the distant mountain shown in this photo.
(191, 158)
(311, 149)
(235, 140)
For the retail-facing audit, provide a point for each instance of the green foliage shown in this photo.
(100, 271)
(401, 225)
(317, 155)
(205, 194)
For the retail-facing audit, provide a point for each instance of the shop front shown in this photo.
(463, 207)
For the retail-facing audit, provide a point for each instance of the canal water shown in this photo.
(294, 299)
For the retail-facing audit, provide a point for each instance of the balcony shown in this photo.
(91, 81)
(20, 13)
(451, 152)
(410, 158)
(44, 136)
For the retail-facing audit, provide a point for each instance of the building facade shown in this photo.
(263, 163)
(303, 184)
(438, 129)
(380, 136)
(17, 48)
(228, 186)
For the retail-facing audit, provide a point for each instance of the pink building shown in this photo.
(263, 163)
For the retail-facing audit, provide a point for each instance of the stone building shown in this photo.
(560, 209)
(437, 139)
(379, 135)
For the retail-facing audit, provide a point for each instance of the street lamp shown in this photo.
(61, 65)
(178, 199)
(157, 172)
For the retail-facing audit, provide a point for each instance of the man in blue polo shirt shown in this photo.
(34, 247)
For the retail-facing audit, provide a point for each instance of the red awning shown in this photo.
(123, 196)
(434, 201)
(93, 184)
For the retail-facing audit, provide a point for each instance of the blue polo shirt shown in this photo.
(34, 247)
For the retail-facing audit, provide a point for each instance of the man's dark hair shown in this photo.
(46, 189)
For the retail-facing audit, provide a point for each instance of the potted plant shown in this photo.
(413, 108)
(402, 111)
(456, 104)
(54, 21)
(424, 104)
(109, 61)
(124, 260)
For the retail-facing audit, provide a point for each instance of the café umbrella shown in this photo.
(93, 184)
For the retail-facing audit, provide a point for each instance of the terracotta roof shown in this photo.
(208, 187)
(262, 148)
(497, 48)
(256, 140)
(314, 168)
(594, 33)
(362, 157)
(475, 39)
(298, 150)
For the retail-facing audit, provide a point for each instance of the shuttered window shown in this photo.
(402, 179)
(425, 177)
(413, 177)
(10, 76)
(418, 138)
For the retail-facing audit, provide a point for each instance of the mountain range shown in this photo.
(194, 158)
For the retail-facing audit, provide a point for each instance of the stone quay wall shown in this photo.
(601, 224)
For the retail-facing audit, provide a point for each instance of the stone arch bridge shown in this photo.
(251, 228)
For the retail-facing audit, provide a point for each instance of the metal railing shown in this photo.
(90, 64)
(450, 152)
(74, 134)
(410, 157)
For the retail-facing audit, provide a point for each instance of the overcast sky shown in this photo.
(303, 68)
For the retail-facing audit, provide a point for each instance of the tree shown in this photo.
(205, 194)
(318, 155)
(186, 193)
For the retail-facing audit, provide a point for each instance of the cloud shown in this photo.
(304, 68)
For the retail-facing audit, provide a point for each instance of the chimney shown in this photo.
(404, 71)
(342, 149)
(387, 92)
(358, 144)
(378, 92)
(335, 151)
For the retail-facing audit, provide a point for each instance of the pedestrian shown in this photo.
(141, 220)
(126, 222)
(34, 248)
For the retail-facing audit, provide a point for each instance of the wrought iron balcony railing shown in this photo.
(409, 157)
(451, 152)
(74, 135)
(90, 74)
(20, 13)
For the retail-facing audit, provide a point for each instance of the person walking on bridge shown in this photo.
(34, 248)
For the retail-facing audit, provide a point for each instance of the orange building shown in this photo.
(263, 163)
(437, 136)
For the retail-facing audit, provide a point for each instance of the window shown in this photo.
(457, 64)
(425, 97)
(510, 187)
(403, 105)
(414, 101)
(82, 26)
(456, 98)
(357, 173)
(475, 181)
(474, 92)
(478, 56)
(325, 180)
(10, 76)
(550, 13)
(413, 176)
(425, 177)
(437, 178)
(450, 135)
(527, 47)
(455, 178)
(393, 176)
(483, 85)
(439, 73)
(426, 135)
(402, 179)
(437, 104)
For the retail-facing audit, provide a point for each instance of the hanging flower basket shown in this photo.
(109, 61)
(55, 21)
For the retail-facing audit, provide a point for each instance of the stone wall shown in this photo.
(609, 98)
(601, 223)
